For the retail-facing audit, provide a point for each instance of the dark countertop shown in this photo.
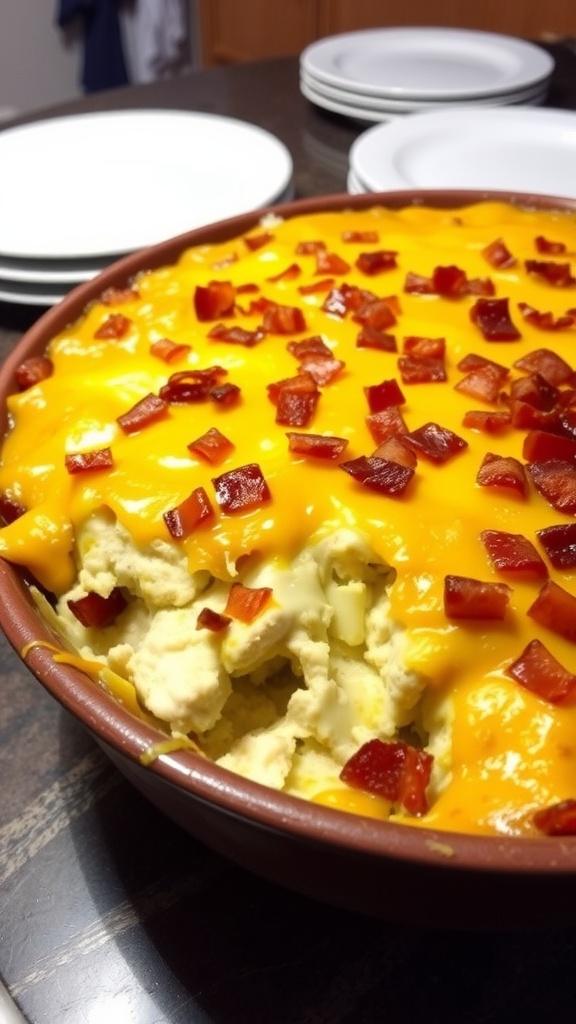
(108, 912)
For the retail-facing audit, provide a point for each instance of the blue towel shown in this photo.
(104, 65)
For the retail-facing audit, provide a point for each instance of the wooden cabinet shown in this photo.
(241, 30)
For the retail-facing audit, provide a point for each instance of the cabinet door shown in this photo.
(241, 30)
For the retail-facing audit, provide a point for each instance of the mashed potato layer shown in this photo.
(354, 639)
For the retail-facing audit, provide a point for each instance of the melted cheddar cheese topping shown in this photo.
(511, 751)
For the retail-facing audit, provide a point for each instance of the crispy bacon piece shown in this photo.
(290, 273)
(97, 612)
(525, 416)
(330, 263)
(169, 351)
(361, 237)
(474, 361)
(344, 299)
(559, 543)
(214, 300)
(488, 422)
(379, 314)
(32, 370)
(114, 326)
(254, 242)
(513, 553)
(492, 317)
(371, 337)
(468, 598)
(323, 370)
(498, 254)
(450, 282)
(10, 509)
(484, 383)
(555, 609)
(212, 446)
(312, 346)
(236, 335)
(423, 347)
(82, 462)
(537, 670)
(421, 370)
(376, 262)
(247, 603)
(383, 395)
(435, 442)
(148, 410)
(386, 423)
(550, 366)
(188, 386)
(557, 820)
(396, 771)
(316, 286)
(502, 471)
(241, 489)
(540, 445)
(214, 621)
(547, 246)
(310, 248)
(319, 446)
(295, 399)
(380, 475)
(555, 479)
(545, 321)
(283, 319)
(394, 449)
(226, 394)
(418, 284)
(559, 275)
(534, 390)
(183, 519)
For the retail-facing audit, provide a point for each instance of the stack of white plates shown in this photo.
(77, 192)
(520, 149)
(383, 74)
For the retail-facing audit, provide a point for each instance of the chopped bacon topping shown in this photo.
(386, 423)
(376, 313)
(290, 273)
(547, 364)
(247, 603)
(169, 351)
(82, 462)
(467, 598)
(547, 246)
(32, 370)
(188, 386)
(559, 543)
(97, 612)
(212, 446)
(450, 282)
(396, 771)
(183, 519)
(534, 390)
(540, 445)
(421, 370)
(310, 248)
(383, 395)
(295, 399)
(555, 609)
(380, 475)
(557, 820)
(502, 471)
(474, 361)
(214, 621)
(545, 321)
(320, 446)
(241, 489)
(423, 347)
(254, 242)
(555, 479)
(317, 286)
(236, 335)
(363, 237)
(371, 337)
(148, 410)
(114, 326)
(376, 262)
(330, 263)
(313, 346)
(283, 319)
(214, 300)
(484, 383)
(394, 449)
(537, 670)
(492, 317)
(498, 254)
(10, 509)
(513, 553)
(488, 422)
(226, 394)
(559, 275)
(435, 442)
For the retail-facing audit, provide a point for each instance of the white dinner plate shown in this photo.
(99, 184)
(427, 63)
(51, 271)
(33, 294)
(518, 148)
(353, 110)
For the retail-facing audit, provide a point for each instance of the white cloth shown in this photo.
(155, 35)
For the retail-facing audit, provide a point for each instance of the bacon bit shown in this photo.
(513, 553)
(289, 274)
(450, 282)
(555, 480)
(330, 263)
(313, 346)
(148, 410)
(559, 543)
(547, 364)
(555, 609)
(321, 369)
(187, 386)
(424, 348)
(421, 370)
(317, 286)
(114, 326)
(473, 361)
(283, 319)
(236, 335)
(214, 621)
(371, 337)
(488, 422)
(82, 462)
(115, 296)
(467, 598)
(371, 263)
(247, 603)
(498, 254)
(225, 394)
(534, 390)
(241, 489)
(32, 370)
(383, 395)
(544, 245)
(526, 416)
(247, 289)
(366, 237)
(183, 519)
(396, 771)
(319, 446)
(254, 242)
(378, 314)
(492, 317)
(169, 351)
(214, 300)
(435, 442)
(10, 509)
(96, 612)
(540, 445)
(380, 475)
(310, 248)
(417, 284)
(502, 471)
(557, 820)
(485, 383)
(544, 321)
(537, 670)
(342, 299)
(212, 446)
(386, 423)
(394, 449)
(559, 275)
(295, 399)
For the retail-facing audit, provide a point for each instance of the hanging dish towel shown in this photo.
(104, 66)
(155, 34)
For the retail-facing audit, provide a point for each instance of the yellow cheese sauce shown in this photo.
(511, 751)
